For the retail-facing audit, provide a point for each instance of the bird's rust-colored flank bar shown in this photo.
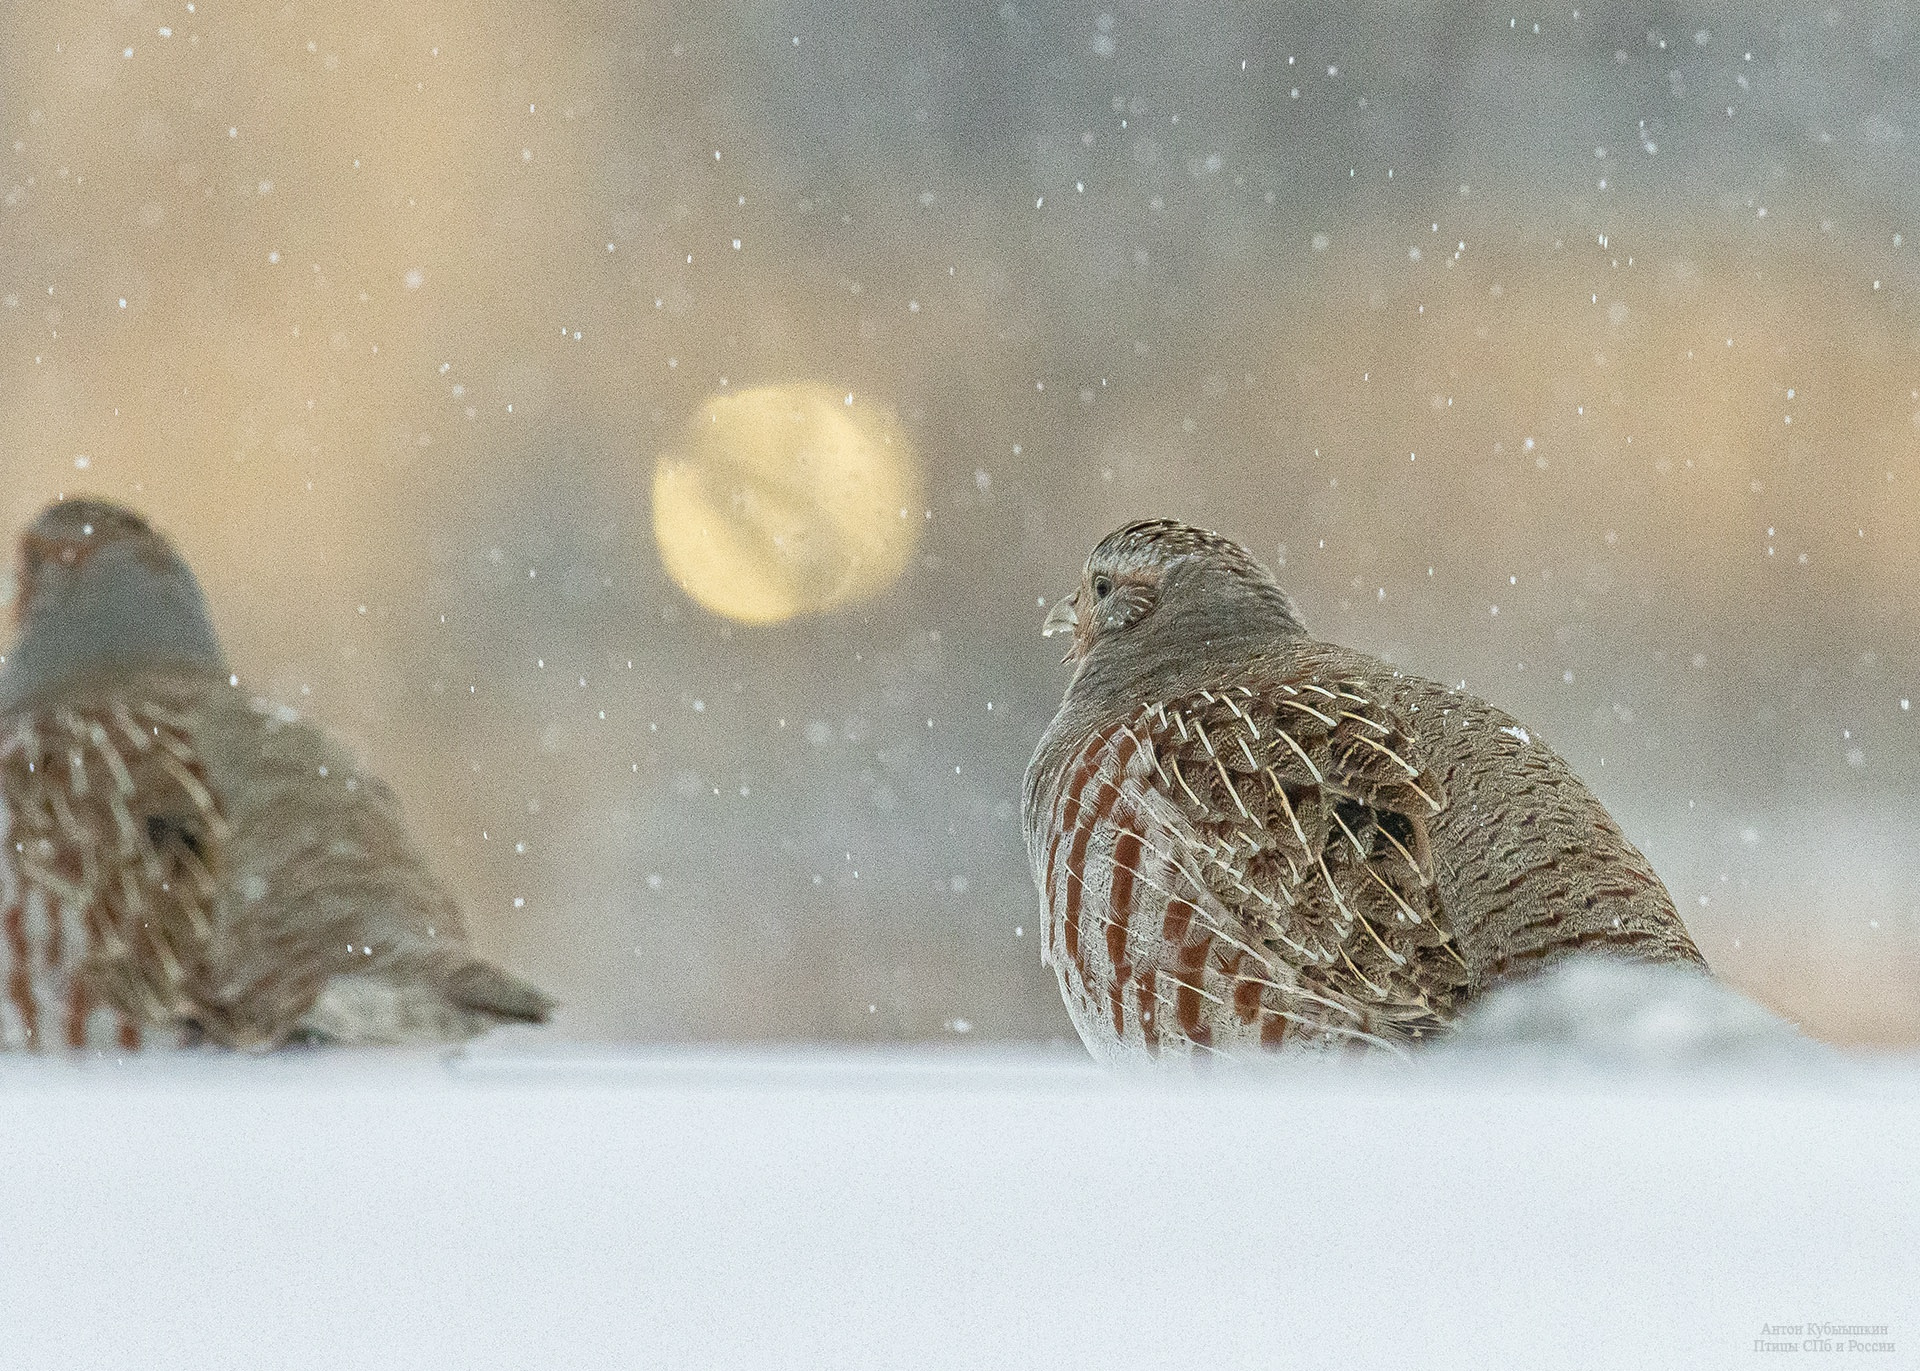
(1245, 838)
(182, 864)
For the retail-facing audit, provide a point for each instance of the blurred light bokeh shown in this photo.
(786, 500)
(1569, 354)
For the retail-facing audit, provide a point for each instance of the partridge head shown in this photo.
(1194, 586)
(98, 591)
(183, 864)
(1244, 837)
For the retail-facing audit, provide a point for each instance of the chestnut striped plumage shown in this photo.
(182, 864)
(1244, 838)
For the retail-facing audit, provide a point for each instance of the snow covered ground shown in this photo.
(531, 1205)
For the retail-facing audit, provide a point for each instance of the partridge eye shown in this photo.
(1102, 587)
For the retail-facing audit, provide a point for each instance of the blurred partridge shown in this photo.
(1245, 838)
(181, 865)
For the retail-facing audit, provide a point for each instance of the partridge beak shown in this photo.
(1062, 618)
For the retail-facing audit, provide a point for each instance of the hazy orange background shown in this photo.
(414, 296)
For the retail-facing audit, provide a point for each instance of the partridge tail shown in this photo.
(487, 990)
(418, 1006)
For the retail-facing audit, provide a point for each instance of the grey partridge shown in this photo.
(1246, 838)
(180, 864)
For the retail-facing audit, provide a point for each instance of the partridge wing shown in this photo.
(1307, 806)
(1223, 870)
(115, 840)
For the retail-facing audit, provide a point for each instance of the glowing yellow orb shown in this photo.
(786, 500)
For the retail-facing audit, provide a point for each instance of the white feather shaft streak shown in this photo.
(1301, 753)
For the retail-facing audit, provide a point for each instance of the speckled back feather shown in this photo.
(181, 864)
(1256, 839)
(1231, 868)
(106, 897)
(188, 865)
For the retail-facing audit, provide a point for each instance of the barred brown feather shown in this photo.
(1244, 838)
(105, 893)
(182, 864)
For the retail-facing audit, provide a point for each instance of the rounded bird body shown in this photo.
(1247, 838)
(182, 864)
